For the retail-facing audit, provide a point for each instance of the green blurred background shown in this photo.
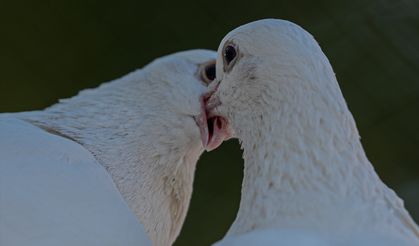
(53, 49)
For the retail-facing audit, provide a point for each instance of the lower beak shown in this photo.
(214, 129)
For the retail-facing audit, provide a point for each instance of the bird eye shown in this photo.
(208, 72)
(230, 54)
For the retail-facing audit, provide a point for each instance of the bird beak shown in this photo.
(201, 121)
(214, 129)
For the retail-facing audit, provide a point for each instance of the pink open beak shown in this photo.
(214, 129)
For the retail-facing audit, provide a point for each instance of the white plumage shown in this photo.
(63, 170)
(54, 192)
(307, 180)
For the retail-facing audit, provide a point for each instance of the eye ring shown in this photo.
(208, 72)
(230, 54)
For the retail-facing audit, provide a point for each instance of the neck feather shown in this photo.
(305, 168)
(153, 175)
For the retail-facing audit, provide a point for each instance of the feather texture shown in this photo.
(141, 128)
(306, 173)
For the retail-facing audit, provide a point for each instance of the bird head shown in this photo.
(263, 69)
(174, 84)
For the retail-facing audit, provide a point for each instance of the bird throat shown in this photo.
(297, 172)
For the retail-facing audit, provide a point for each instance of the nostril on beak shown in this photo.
(207, 96)
(214, 85)
(211, 104)
(209, 100)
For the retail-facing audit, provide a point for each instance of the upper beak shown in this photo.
(214, 129)
(211, 101)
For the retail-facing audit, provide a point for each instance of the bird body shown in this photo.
(141, 128)
(54, 192)
(306, 174)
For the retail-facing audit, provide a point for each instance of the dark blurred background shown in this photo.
(53, 49)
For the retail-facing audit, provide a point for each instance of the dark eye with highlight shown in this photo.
(208, 72)
(230, 54)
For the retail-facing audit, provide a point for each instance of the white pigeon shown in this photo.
(59, 166)
(307, 180)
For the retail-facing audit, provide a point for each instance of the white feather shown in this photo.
(141, 128)
(54, 192)
(305, 168)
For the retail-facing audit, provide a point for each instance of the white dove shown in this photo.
(59, 166)
(307, 180)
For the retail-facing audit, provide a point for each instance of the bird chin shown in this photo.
(214, 129)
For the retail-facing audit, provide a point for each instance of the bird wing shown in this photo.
(54, 192)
